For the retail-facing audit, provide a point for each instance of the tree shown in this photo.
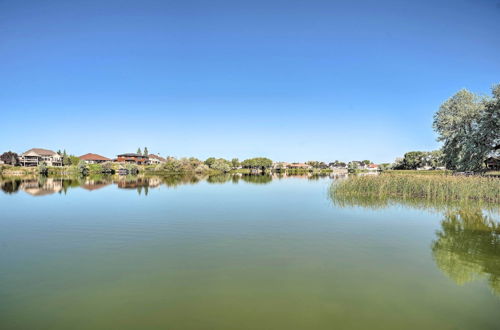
(73, 160)
(209, 161)
(235, 163)
(221, 165)
(10, 158)
(257, 163)
(352, 165)
(489, 125)
(413, 160)
(139, 152)
(83, 168)
(146, 153)
(457, 122)
(366, 162)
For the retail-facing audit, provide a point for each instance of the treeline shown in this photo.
(419, 159)
(184, 165)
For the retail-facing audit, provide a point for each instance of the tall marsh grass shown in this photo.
(415, 189)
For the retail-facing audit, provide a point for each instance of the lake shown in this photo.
(238, 252)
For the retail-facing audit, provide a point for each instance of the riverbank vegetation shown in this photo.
(445, 189)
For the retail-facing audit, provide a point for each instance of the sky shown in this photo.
(289, 80)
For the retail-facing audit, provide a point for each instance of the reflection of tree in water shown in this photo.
(10, 186)
(219, 178)
(257, 178)
(468, 246)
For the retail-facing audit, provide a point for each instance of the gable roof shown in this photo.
(90, 156)
(157, 157)
(40, 151)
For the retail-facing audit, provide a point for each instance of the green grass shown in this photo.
(423, 189)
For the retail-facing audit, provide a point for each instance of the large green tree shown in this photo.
(458, 124)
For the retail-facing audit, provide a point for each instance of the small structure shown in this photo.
(132, 158)
(94, 158)
(492, 163)
(155, 160)
(372, 167)
(299, 165)
(36, 156)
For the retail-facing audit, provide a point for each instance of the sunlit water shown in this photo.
(238, 253)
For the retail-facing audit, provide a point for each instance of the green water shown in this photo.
(233, 252)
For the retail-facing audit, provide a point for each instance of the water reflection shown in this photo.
(468, 247)
(42, 186)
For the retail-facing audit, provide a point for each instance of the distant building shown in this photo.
(372, 167)
(132, 158)
(36, 156)
(299, 165)
(94, 158)
(155, 160)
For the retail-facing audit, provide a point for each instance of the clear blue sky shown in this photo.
(290, 80)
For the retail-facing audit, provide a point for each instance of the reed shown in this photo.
(425, 188)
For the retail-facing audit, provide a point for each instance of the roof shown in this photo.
(90, 156)
(157, 157)
(40, 151)
(372, 166)
(131, 155)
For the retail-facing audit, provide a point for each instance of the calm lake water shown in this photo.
(238, 253)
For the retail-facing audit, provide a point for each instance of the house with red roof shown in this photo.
(94, 158)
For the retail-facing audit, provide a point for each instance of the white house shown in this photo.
(36, 156)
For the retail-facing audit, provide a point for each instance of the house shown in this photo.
(492, 163)
(155, 160)
(94, 158)
(299, 165)
(36, 156)
(372, 167)
(132, 158)
(278, 166)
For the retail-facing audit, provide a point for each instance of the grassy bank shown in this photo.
(418, 188)
(415, 172)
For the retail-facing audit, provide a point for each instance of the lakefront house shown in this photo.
(94, 158)
(155, 159)
(36, 156)
(132, 158)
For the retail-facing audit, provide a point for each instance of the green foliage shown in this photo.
(338, 164)
(235, 162)
(257, 163)
(183, 165)
(132, 168)
(221, 165)
(469, 127)
(42, 168)
(72, 160)
(417, 159)
(316, 164)
(210, 161)
(146, 152)
(83, 168)
(107, 167)
(139, 152)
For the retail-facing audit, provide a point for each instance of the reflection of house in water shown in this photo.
(95, 184)
(36, 187)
